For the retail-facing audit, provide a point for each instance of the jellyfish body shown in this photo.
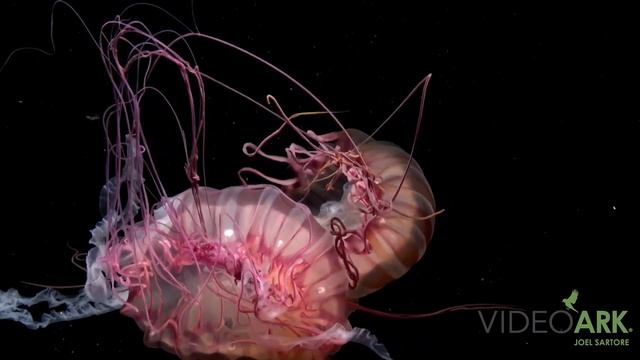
(372, 195)
(243, 271)
(387, 207)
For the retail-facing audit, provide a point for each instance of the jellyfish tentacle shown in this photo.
(338, 230)
(14, 306)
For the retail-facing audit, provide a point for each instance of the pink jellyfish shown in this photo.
(372, 196)
(248, 270)
(242, 271)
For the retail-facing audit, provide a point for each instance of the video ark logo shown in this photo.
(599, 328)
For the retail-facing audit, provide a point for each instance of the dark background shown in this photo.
(530, 143)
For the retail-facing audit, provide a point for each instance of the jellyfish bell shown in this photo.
(384, 215)
(378, 207)
(372, 195)
(239, 272)
(242, 271)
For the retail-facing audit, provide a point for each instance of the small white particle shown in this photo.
(279, 243)
(228, 233)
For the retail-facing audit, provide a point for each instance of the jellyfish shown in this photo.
(261, 271)
(371, 195)
(240, 271)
